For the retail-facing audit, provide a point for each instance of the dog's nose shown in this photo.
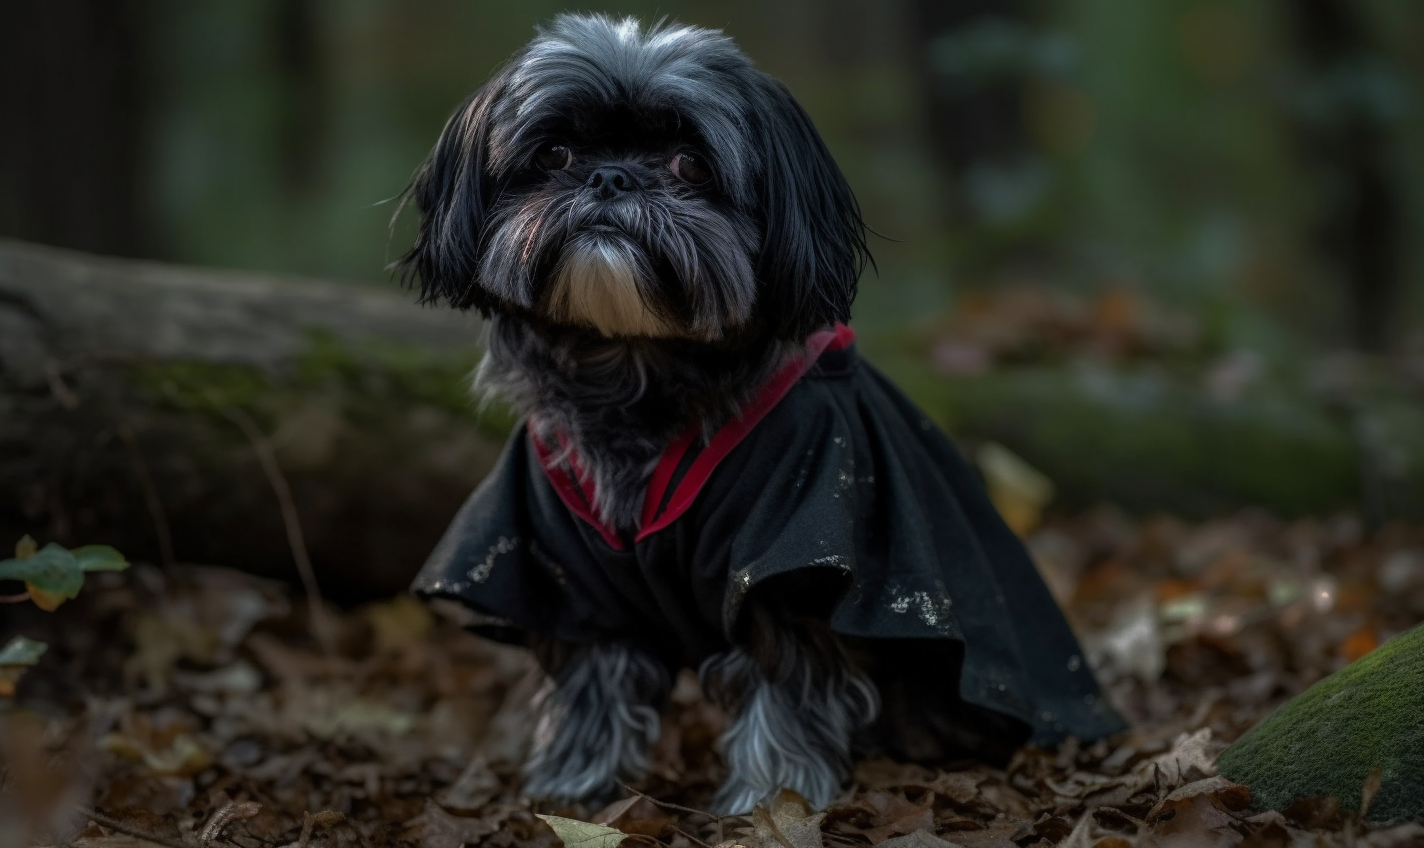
(609, 181)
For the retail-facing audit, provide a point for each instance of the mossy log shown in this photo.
(135, 398)
(1150, 438)
(1367, 718)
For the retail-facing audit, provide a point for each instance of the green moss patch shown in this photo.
(1327, 740)
(371, 382)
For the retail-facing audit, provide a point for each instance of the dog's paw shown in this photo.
(592, 785)
(739, 797)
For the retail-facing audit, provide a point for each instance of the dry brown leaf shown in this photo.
(615, 811)
(961, 787)
(476, 787)
(1277, 834)
(786, 821)
(1000, 834)
(1192, 756)
(1200, 814)
(919, 839)
(435, 828)
(895, 814)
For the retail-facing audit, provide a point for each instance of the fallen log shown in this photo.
(137, 401)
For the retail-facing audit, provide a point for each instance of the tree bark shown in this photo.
(135, 400)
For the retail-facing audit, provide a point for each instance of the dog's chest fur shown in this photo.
(617, 403)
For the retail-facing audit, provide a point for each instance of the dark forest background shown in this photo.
(1256, 161)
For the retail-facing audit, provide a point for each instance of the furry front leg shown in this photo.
(597, 715)
(796, 698)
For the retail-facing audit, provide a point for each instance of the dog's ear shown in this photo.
(814, 244)
(452, 191)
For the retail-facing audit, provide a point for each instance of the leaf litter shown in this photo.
(193, 707)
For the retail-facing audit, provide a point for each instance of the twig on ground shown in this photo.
(305, 839)
(151, 500)
(231, 812)
(129, 830)
(671, 806)
(262, 447)
(54, 373)
(684, 834)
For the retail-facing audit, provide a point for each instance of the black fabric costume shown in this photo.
(843, 483)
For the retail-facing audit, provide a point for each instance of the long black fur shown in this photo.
(769, 164)
(797, 700)
(599, 711)
(736, 272)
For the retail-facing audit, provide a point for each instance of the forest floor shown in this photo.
(196, 707)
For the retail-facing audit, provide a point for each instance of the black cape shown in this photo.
(833, 476)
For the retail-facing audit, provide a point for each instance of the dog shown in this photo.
(706, 474)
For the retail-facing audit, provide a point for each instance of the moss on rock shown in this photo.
(1327, 740)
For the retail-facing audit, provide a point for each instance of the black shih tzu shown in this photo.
(706, 474)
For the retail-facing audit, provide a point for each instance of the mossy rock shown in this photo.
(1327, 740)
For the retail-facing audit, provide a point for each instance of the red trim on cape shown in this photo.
(577, 494)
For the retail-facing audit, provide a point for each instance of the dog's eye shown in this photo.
(554, 157)
(690, 168)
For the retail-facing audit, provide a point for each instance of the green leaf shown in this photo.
(52, 569)
(22, 651)
(99, 558)
(577, 834)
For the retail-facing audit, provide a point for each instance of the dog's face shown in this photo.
(647, 184)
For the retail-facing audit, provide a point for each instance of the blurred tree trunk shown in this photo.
(970, 119)
(304, 103)
(76, 101)
(1345, 135)
(967, 123)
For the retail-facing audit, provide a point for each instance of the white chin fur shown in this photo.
(596, 285)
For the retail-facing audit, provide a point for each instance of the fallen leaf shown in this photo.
(22, 651)
(785, 822)
(578, 834)
(615, 811)
(435, 828)
(1191, 757)
(170, 750)
(1017, 489)
(1132, 645)
(54, 574)
(1199, 814)
(895, 814)
(400, 622)
(1359, 643)
(961, 787)
(476, 786)
(919, 839)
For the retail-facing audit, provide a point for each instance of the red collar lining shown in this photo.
(577, 494)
